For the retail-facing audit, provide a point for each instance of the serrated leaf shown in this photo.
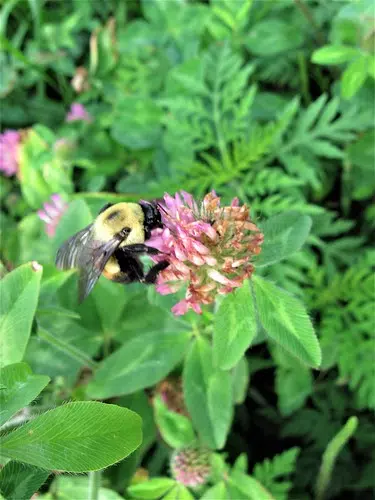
(139, 363)
(284, 234)
(334, 54)
(19, 291)
(76, 437)
(136, 122)
(325, 149)
(234, 327)
(152, 489)
(176, 429)
(273, 473)
(273, 36)
(208, 395)
(18, 388)
(354, 77)
(19, 481)
(286, 321)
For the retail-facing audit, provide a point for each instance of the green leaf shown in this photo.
(136, 123)
(293, 387)
(152, 489)
(273, 473)
(217, 492)
(179, 492)
(284, 234)
(69, 487)
(273, 36)
(208, 395)
(234, 327)
(19, 291)
(240, 381)
(334, 54)
(176, 429)
(19, 388)
(286, 321)
(249, 487)
(141, 362)
(76, 437)
(354, 77)
(325, 149)
(19, 481)
(371, 65)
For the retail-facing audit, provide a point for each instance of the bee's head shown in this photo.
(152, 215)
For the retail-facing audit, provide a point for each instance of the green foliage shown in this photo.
(208, 395)
(20, 480)
(285, 320)
(19, 292)
(176, 429)
(59, 439)
(272, 102)
(274, 474)
(140, 362)
(346, 333)
(18, 388)
(234, 327)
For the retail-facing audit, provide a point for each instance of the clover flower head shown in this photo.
(191, 466)
(63, 147)
(209, 248)
(52, 213)
(9, 152)
(78, 112)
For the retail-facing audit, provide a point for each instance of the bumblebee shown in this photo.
(111, 246)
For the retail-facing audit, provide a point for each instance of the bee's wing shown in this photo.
(68, 255)
(90, 256)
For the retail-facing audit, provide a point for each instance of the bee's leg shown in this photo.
(136, 248)
(131, 267)
(153, 272)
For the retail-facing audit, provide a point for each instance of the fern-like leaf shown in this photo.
(274, 474)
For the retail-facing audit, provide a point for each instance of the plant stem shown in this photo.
(304, 78)
(330, 455)
(94, 485)
(310, 18)
(66, 348)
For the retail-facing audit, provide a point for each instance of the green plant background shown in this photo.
(270, 101)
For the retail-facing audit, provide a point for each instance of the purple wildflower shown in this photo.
(78, 112)
(52, 213)
(209, 248)
(9, 152)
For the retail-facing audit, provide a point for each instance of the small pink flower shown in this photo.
(191, 466)
(78, 112)
(52, 213)
(209, 248)
(9, 152)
